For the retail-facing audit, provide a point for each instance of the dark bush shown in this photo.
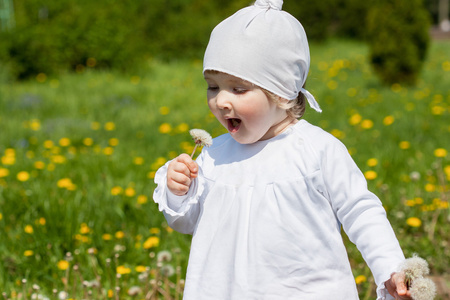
(399, 38)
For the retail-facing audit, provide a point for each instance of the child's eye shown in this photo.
(239, 90)
(212, 88)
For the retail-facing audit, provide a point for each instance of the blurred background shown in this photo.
(51, 36)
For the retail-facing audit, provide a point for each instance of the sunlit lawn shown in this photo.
(79, 153)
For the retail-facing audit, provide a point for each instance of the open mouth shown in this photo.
(233, 124)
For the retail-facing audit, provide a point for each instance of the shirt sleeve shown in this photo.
(361, 214)
(181, 212)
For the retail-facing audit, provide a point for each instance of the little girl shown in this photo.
(266, 202)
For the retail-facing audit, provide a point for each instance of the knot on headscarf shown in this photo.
(273, 4)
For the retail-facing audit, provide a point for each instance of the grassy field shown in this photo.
(79, 153)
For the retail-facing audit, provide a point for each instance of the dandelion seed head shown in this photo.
(164, 256)
(167, 271)
(201, 137)
(415, 267)
(134, 291)
(423, 289)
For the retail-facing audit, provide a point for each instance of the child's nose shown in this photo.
(223, 100)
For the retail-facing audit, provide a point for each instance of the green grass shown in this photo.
(109, 132)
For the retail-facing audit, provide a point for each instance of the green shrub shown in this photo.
(350, 18)
(315, 16)
(398, 39)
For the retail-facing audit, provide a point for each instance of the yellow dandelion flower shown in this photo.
(169, 229)
(165, 128)
(122, 270)
(8, 160)
(338, 133)
(429, 187)
(388, 120)
(183, 127)
(360, 279)
(151, 242)
(107, 237)
(404, 145)
(332, 84)
(447, 171)
(84, 228)
(440, 152)
(117, 190)
(113, 142)
(164, 110)
(64, 142)
(367, 124)
(446, 66)
(119, 235)
(443, 204)
(155, 230)
(88, 141)
(140, 269)
(437, 110)
(39, 165)
(110, 293)
(35, 125)
(64, 183)
(1, 216)
(108, 151)
(58, 159)
(372, 162)
(418, 200)
(48, 144)
(410, 203)
(42, 221)
(142, 199)
(370, 175)
(28, 253)
(28, 229)
(355, 119)
(4, 172)
(63, 265)
(110, 126)
(23, 176)
(414, 222)
(130, 192)
(138, 160)
(159, 162)
(151, 174)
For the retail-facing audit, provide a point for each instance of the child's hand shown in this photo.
(396, 286)
(180, 173)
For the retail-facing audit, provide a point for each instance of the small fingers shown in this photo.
(191, 164)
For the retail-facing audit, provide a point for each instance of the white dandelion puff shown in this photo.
(200, 137)
(414, 267)
(423, 289)
(134, 291)
(164, 256)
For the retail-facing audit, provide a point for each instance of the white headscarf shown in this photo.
(263, 45)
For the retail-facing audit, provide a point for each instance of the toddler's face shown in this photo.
(244, 109)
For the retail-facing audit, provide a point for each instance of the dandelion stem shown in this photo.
(193, 152)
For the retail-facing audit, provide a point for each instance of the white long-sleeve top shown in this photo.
(266, 220)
